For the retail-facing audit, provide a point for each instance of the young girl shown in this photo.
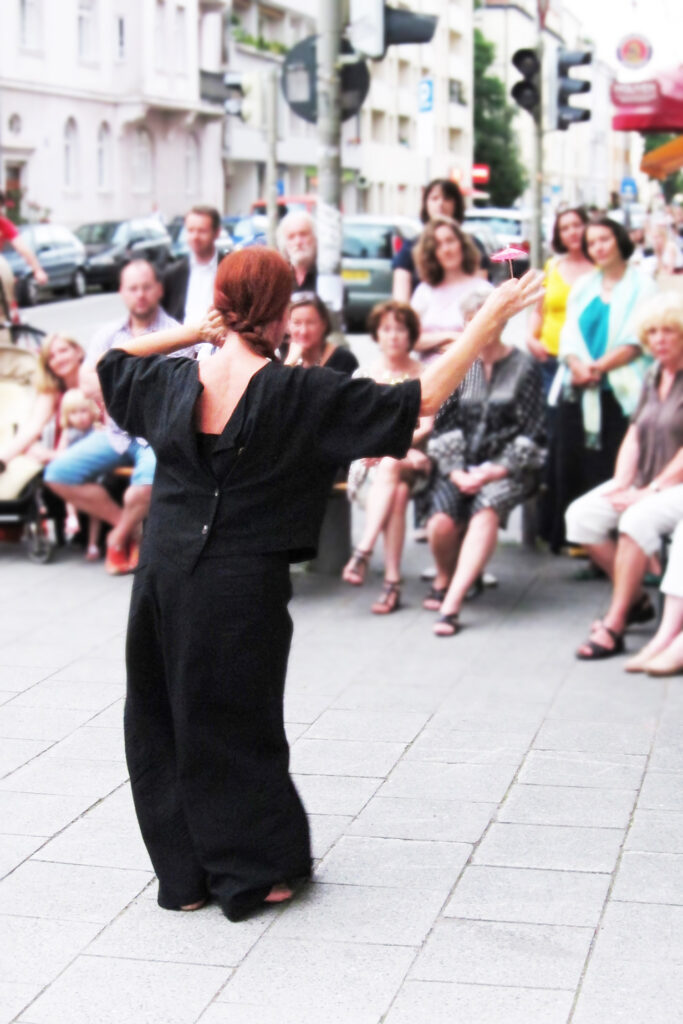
(79, 416)
(384, 486)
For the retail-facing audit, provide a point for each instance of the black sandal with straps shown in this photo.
(389, 599)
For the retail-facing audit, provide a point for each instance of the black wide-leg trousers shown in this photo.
(205, 741)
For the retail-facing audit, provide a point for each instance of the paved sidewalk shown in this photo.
(498, 827)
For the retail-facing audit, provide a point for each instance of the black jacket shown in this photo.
(176, 280)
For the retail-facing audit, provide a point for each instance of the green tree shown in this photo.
(674, 183)
(495, 143)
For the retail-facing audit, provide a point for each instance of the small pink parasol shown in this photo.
(509, 254)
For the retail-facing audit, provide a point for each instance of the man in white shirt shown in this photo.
(188, 284)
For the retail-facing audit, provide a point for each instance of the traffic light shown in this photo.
(373, 27)
(248, 104)
(527, 92)
(566, 87)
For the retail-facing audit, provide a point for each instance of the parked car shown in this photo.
(250, 231)
(60, 254)
(287, 204)
(369, 244)
(110, 244)
(179, 246)
(511, 227)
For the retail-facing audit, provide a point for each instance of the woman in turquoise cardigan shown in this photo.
(602, 367)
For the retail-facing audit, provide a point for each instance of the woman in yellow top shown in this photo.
(561, 271)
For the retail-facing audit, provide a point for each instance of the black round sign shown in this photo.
(300, 82)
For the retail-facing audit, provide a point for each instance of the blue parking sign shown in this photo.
(425, 96)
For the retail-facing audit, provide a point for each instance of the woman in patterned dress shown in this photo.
(488, 446)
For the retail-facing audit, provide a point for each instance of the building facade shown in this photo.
(388, 150)
(102, 114)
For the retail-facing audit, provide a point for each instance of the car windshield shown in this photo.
(249, 226)
(108, 232)
(367, 241)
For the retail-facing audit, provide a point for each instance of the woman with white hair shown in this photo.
(644, 500)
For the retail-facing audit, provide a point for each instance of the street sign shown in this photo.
(300, 81)
(481, 174)
(628, 188)
(634, 52)
(426, 125)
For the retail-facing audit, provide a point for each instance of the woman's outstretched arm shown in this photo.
(442, 377)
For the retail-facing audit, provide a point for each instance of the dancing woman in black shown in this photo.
(246, 449)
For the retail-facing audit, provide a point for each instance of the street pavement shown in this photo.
(497, 827)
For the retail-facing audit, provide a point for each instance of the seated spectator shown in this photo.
(309, 330)
(79, 416)
(74, 475)
(297, 242)
(384, 486)
(644, 499)
(488, 446)
(447, 263)
(663, 655)
(22, 456)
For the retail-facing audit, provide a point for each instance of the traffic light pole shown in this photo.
(537, 183)
(271, 86)
(329, 156)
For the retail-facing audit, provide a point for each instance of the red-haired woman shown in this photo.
(246, 451)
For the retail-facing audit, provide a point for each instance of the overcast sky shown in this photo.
(609, 21)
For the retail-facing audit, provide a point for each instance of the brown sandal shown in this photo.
(356, 567)
(389, 599)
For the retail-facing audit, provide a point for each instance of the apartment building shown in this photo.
(102, 112)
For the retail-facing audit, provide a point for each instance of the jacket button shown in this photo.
(205, 528)
(216, 493)
(241, 451)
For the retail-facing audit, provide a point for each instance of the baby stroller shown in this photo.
(23, 510)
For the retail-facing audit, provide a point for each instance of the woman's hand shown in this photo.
(624, 498)
(514, 295)
(294, 354)
(536, 349)
(417, 460)
(583, 375)
(212, 328)
(467, 481)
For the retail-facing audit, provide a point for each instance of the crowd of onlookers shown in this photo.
(587, 419)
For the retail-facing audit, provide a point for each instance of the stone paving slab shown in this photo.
(498, 829)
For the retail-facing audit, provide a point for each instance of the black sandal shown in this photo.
(434, 598)
(356, 567)
(389, 600)
(447, 620)
(598, 652)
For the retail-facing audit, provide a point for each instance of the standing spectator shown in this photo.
(666, 257)
(9, 233)
(447, 262)
(74, 474)
(603, 366)
(561, 272)
(297, 242)
(188, 284)
(440, 198)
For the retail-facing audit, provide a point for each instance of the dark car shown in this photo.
(369, 244)
(60, 254)
(110, 244)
